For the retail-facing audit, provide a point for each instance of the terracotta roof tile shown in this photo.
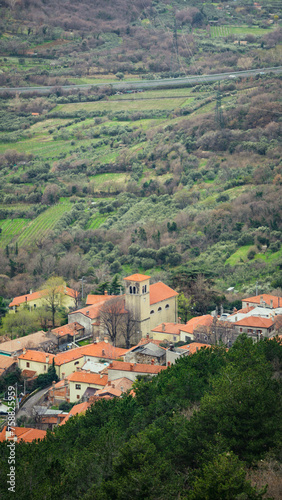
(137, 277)
(88, 378)
(255, 322)
(277, 301)
(39, 295)
(69, 329)
(193, 323)
(76, 410)
(135, 367)
(194, 347)
(170, 328)
(159, 291)
(24, 434)
(67, 356)
(38, 356)
(104, 350)
(6, 362)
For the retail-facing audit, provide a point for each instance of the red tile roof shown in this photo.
(40, 294)
(6, 362)
(103, 350)
(76, 410)
(70, 329)
(88, 378)
(28, 374)
(170, 328)
(195, 347)
(93, 311)
(255, 322)
(23, 434)
(115, 387)
(159, 291)
(135, 367)
(67, 356)
(38, 356)
(277, 301)
(193, 323)
(137, 277)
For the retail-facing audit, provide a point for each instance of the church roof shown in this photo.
(159, 291)
(137, 277)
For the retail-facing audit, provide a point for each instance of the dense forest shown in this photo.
(181, 183)
(208, 427)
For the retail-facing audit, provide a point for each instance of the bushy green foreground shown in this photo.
(189, 433)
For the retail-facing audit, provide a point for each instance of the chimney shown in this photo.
(106, 292)
(47, 359)
(24, 351)
(147, 336)
(30, 291)
(152, 361)
(53, 383)
(163, 327)
(103, 352)
(97, 340)
(121, 388)
(271, 303)
(63, 375)
(261, 300)
(234, 310)
(113, 386)
(168, 363)
(106, 339)
(131, 366)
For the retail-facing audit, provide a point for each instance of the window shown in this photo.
(130, 289)
(78, 387)
(34, 305)
(159, 309)
(78, 396)
(145, 288)
(134, 290)
(76, 363)
(27, 364)
(241, 329)
(45, 368)
(167, 306)
(152, 312)
(187, 338)
(174, 339)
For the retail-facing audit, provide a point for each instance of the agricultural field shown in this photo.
(10, 230)
(40, 228)
(96, 221)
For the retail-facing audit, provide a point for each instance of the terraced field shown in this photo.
(96, 221)
(40, 227)
(11, 228)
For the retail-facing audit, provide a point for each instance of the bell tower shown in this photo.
(137, 301)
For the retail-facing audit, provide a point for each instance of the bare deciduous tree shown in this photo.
(112, 318)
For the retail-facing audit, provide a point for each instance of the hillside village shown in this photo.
(126, 337)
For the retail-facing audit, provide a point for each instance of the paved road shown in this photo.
(147, 84)
(26, 409)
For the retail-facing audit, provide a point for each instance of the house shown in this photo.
(67, 333)
(59, 392)
(67, 362)
(33, 300)
(102, 351)
(263, 300)
(36, 361)
(167, 332)
(38, 340)
(79, 382)
(146, 353)
(25, 434)
(255, 327)
(116, 388)
(89, 316)
(7, 364)
(119, 369)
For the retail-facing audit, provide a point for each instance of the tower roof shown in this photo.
(137, 277)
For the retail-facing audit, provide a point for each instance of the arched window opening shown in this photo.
(143, 289)
(159, 309)
(130, 289)
(134, 290)
(152, 312)
(167, 306)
